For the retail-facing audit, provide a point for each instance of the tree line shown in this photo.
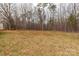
(42, 16)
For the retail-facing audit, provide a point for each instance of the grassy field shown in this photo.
(43, 43)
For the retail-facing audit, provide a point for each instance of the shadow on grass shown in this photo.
(2, 34)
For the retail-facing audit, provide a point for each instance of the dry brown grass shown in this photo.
(38, 43)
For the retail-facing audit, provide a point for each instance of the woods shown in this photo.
(42, 16)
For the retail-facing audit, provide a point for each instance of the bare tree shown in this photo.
(52, 8)
(41, 13)
(7, 14)
(62, 17)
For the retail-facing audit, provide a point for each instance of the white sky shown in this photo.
(39, 1)
(34, 4)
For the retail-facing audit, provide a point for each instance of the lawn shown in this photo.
(38, 43)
